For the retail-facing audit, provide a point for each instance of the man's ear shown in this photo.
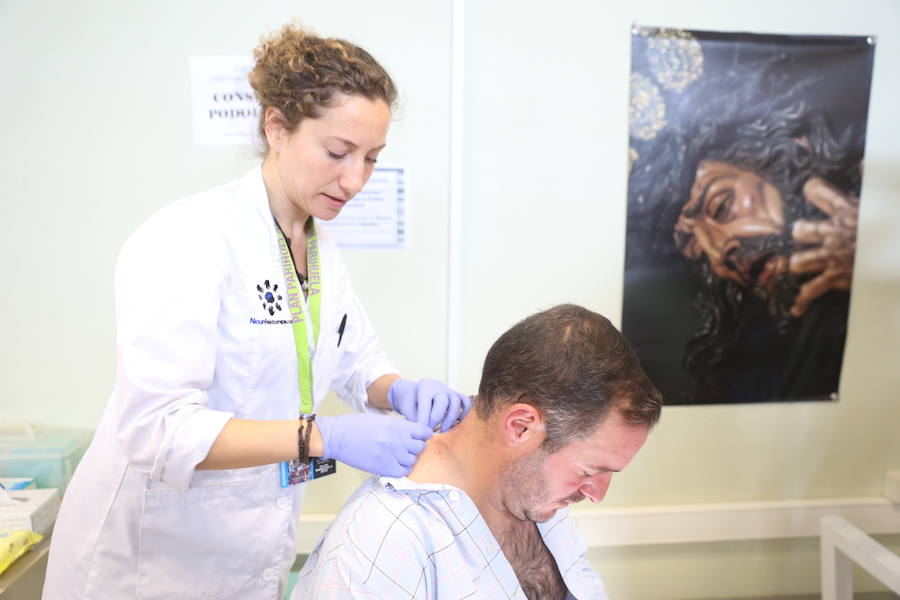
(522, 426)
(275, 127)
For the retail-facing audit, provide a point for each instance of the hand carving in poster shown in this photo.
(745, 169)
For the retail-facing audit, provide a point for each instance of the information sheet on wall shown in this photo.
(225, 109)
(377, 217)
(745, 170)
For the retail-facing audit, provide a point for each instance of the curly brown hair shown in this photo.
(299, 73)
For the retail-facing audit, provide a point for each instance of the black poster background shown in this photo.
(788, 109)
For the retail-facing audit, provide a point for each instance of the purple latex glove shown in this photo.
(429, 402)
(374, 443)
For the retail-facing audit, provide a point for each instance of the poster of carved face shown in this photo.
(745, 170)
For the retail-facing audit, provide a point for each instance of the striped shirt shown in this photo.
(396, 539)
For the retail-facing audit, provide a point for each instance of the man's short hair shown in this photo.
(574, 366)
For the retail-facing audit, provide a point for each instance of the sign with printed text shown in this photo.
(225, 110)
(376, 218)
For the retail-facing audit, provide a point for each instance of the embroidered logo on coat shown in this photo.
(270, 297)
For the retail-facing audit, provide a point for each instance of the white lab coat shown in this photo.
(196, 346)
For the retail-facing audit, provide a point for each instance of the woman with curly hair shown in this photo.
(235, 314)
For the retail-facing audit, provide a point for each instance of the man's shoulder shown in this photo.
(395, 512)
(383, 539)
(395, 508)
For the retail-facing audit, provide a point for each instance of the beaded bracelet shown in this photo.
(303, 437)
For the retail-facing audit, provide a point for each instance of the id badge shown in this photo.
(295, 472)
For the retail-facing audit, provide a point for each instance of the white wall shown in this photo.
(96, 134)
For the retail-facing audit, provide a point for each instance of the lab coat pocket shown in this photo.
(210, 540)
(325, 363)
(328, 349)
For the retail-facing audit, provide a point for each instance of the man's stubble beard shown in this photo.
(524, 489)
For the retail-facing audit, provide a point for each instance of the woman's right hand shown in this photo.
(374, 443)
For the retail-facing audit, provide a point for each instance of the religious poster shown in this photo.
(745, 171)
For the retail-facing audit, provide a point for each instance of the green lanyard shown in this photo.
(304, 313)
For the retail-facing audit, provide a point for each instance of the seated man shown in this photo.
(563, 404)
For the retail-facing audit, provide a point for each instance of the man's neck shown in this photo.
(465, 458)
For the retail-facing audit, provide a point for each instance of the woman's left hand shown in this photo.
(429, 402)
